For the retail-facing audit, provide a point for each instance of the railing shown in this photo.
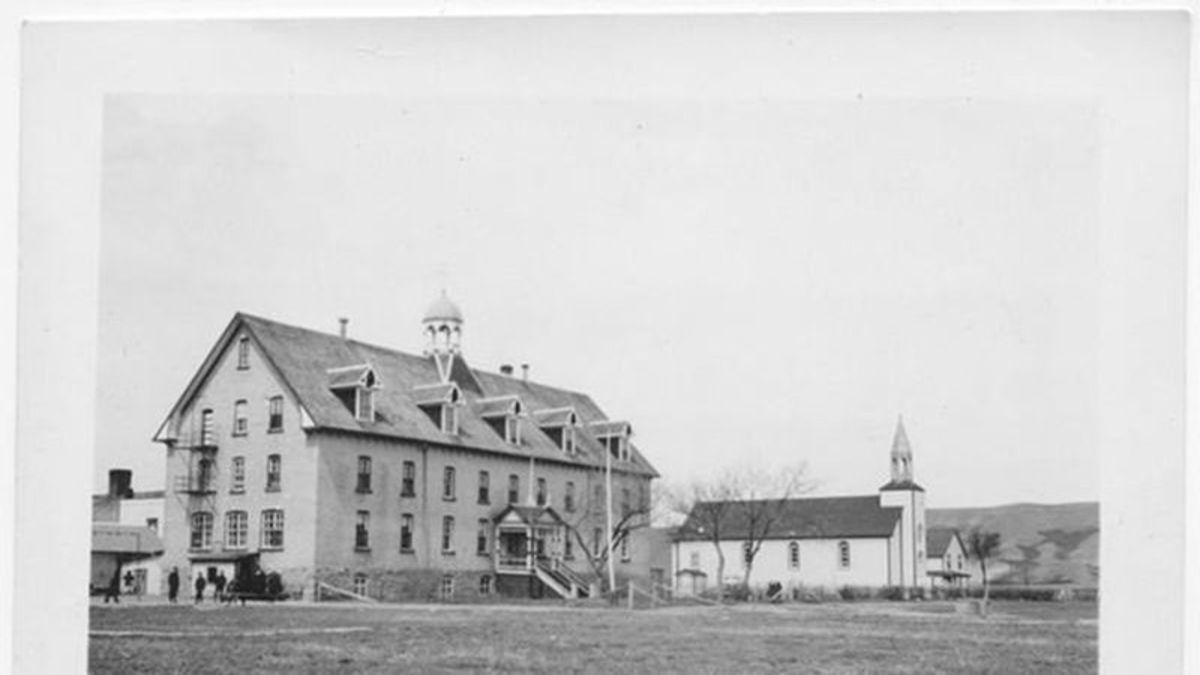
(510, 563)
(195, 484)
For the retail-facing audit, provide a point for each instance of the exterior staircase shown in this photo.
(561, 579)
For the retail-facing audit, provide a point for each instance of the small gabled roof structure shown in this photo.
(810, 518)
(498, 406)
(938, 539)
(361, 375)
(436, 394)
(556, 417)
(528, 515)
(609, 428)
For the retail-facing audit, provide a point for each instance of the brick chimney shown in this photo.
(506, 369)
(120, 482)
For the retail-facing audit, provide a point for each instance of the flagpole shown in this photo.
(612, 577)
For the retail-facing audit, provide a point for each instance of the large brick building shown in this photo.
(392, 475)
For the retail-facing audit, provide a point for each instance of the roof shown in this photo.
(937, 540)
(443, 309)
(125, 539)
(809, 518)
(902, 485)
(530, 515)
(610, 428)
(301, 359)
(349, 376)
(430, 394)
(557, 417)
(498, 406)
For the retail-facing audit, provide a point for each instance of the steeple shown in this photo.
(902, 461)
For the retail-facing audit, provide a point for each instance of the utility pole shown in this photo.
(612, 576)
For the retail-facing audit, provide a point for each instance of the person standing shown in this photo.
(201, 582)
(114, 588)
(220, 582)
(173, 585)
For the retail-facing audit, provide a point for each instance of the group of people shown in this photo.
(222, 588)
(113, 590)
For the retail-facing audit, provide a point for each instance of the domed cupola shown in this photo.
(442, 326)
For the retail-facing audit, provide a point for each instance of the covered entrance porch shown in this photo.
(530, 542)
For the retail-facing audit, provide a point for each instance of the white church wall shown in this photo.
(820, 563)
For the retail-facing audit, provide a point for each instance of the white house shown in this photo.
(947, 564)
(871, 540)
(126, 536)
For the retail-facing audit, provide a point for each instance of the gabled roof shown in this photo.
(301, 358)
(431, 394)
(608, 428)
(810, 518)
(556, 417)
(349, 376)
(530, 515)
(937, 540)
(498, 406)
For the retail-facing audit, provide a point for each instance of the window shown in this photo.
(204, 477)
(275, 414)
(598, 499)
(235, 529)
(484, 491)
(272, 528)
(512, 430)
(406, 533)
(408, 484)
(202, 524)
(481, 540)
(238, 475)
(568, 440)
(624, 502)
(449, 418)
(243, 353)
(446, 590)
(514, 488)
(362, 533)
(569, 546)
(239, 418)
(360, 584)
(541, 492)
(794, 555)
(364, 408)
(597, 541)
(152, 523)
(485, 584)
(747, 553)
(364, 474)
(625, 556)
(274, 481)
(844, 553)
(448, 483)
(206, 427)
(448, 534)
(694, 560)
(569, 497)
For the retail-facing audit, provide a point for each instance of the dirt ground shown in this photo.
(929, 637)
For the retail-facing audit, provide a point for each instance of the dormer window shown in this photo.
(502, 414)
(355, 387)
(441, 403)
(559, 424)
(614, 437)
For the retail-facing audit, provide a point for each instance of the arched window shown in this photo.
(794, 555)
(844, 553)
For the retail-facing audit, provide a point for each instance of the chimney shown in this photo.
(119, 483)
(342, 323)
(506, 369)
(524, 371)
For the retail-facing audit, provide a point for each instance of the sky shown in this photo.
(745, 280)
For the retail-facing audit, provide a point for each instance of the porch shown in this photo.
(530, 541)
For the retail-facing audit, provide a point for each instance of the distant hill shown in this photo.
(1039, 543)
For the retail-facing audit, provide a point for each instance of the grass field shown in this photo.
(928, 637)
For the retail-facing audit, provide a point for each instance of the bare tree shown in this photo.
(983, 545)
(744, 502)
(629, 515)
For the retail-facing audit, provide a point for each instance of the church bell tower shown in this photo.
(908, 548)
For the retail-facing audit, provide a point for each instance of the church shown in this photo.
(347, 466)
(829, 542)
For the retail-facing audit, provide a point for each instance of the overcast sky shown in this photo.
(744, 272)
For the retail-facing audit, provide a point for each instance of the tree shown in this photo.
(744, 503)
(983, 545)
(629, 515)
